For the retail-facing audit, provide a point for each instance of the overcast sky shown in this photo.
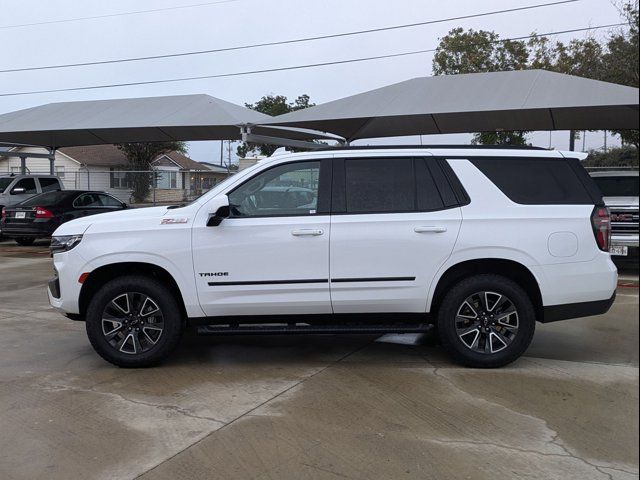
(238, 22)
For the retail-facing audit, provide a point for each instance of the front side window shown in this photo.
(29, 185)
(285, 190)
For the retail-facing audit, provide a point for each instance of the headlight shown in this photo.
(64, 243)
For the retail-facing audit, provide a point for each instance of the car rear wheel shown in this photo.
(134, 322)
(25, 241)
(486, 321)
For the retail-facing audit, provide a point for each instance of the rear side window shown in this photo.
(536, 181)
(379, 185)
(49, 184)
(386, 185)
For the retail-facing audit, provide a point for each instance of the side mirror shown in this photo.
(124, 205)
(222, 213)
(18, 191)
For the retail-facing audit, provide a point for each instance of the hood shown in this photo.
(621, 201)
(137, 215)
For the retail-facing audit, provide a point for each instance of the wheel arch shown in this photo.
(105, 273)
(510, 269)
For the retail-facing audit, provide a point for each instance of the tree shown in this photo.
(139, 158)
(481, 51)
(273, 105)
(614, 60)
(621, 61)
(625, 156)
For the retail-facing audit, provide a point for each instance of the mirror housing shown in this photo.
(223, 212)
(18, 191)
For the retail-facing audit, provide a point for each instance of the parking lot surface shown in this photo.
(333, 407)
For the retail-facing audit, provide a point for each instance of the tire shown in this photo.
(25, 241)
(129, 331)
(501, 330)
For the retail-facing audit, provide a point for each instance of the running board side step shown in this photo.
(310, 329)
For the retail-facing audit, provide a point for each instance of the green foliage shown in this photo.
(139, 157)
(626, 156)
(272, 105)
(614, 60)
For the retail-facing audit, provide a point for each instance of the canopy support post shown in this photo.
(572, 140)
(23, 164)
(52, 161)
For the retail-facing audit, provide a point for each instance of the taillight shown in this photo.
(42, 212)
(4, 213)
(601, 222)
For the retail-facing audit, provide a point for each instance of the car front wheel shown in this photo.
(486, 321)
(134, 322)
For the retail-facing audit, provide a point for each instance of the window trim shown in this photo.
(324, 188)
(338, 200)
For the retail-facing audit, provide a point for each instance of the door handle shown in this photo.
(306, 233)
(430, 229)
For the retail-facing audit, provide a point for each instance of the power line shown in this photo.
(285, 42)
(109, 15)
(295, 67)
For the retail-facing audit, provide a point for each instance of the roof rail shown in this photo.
(413, 147)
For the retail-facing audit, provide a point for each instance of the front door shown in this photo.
(271, 256)
(24, 189)
(395, 221)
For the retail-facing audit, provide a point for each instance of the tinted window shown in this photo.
(109, 201)
(535, 181)
(45, 199)
(4, 183)
(290, 189)
(88, 200)
(427, 194)
(379, 185)
(29, 184)
(49, 184)
(618, 186)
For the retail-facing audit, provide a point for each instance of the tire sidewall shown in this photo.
(449, 308)
(172, 318)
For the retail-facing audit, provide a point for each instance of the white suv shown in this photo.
(481, 242)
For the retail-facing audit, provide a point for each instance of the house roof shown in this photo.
(215, 167)
(111, 156)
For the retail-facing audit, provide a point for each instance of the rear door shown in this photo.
(394, 223)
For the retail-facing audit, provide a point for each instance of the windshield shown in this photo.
(4, 183)
(45, 199)
(623, 186)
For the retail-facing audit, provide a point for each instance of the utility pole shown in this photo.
(584, 140)
(605, 141)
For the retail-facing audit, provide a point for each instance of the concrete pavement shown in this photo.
(319, 407)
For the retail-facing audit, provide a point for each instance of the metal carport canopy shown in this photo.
(150, 119)
(477, 102)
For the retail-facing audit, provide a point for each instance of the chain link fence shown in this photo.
(139, 187)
